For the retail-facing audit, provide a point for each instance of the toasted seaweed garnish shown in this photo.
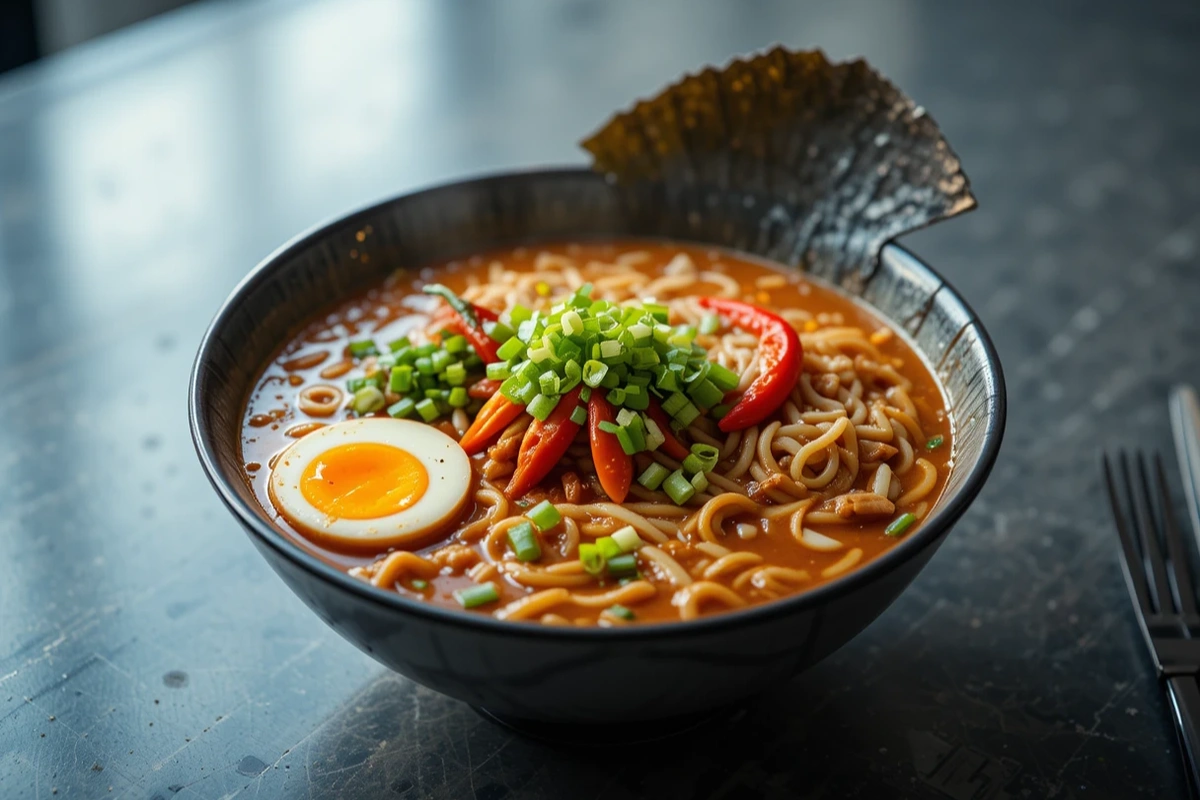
(804, 160)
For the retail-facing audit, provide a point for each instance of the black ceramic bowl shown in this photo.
(566, 675)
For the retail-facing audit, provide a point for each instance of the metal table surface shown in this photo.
(146, 651)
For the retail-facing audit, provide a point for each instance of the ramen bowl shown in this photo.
(527, 673)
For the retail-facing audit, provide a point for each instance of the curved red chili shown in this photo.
(468, 320)
(545, 444)
(780, 355)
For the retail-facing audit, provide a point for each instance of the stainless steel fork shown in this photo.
(1158, 574)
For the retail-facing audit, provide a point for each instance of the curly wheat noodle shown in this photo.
(535, 604)
(616, 512)
(690, 598)
(812, 448)
(708, 521)
(627, 595)
(923, 487)
(402, 564)
(497, 504)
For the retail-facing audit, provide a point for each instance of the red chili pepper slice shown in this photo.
(484, 389)
(468, 320)
(614, 467)
(545, 444)
(672, 446)
(496, 415)
(779, 356)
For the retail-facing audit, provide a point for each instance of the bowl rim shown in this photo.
(254, 522)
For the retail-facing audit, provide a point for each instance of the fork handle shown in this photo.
(1184, 693)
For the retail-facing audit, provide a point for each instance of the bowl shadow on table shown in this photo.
(827, 727)
(906, 710)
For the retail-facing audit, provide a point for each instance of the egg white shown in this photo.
(448, 467)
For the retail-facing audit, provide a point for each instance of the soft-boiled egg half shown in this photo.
(374, 482)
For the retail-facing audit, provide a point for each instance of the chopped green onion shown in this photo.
(653, 476)
(428, 410)
(627, 537)
(620, 611)
(458, 397)
(627, 438)
(900, 524)
(498, 370)
(709, 324)
(402, 408)
(400, 380)
(572, 323)
(420, 584)
(440, 360)
(579, 415)
(544, 515)
(474, 596)
(723, 378)
(399, 344)
(549, 383)
(654, 435)
(424, 365)
(678, 487)
(455, 344)
(935, 442)
(498, 332)
(541, 406)
(608, 547)
(511, 349)
(687, 415)
(363, 349)
(707, 454)
(720, 411)
(524, 542)
(622, 564)
(455, 374)
(675, 403)
(592, 559)
(705, 393)
(368, 400)
(693, 464)
(700, 481)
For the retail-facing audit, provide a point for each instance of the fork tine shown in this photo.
(1131, 560)
(1147, 526)
(1185, 593)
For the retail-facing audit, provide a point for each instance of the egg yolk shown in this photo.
(364, 480)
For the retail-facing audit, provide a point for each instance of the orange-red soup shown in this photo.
(783, 535)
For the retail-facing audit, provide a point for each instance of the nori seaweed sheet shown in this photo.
(785, 154)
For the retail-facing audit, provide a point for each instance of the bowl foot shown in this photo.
(612, 734)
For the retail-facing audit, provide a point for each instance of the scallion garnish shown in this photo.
(622, 564)
(628, 538)
(935, 442)
(363, 349)
(367, 400)
(900, 524)
(620, 611)
(653, 476)
(592, 559)
(544, 515)
(678, 487)
(524, 542)
(475, 596)
(419, 584)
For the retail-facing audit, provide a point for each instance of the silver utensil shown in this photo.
(1162, 588)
